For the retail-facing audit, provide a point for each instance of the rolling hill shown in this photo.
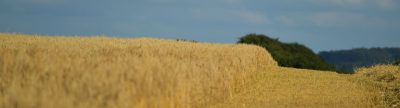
(349, 60)
(104, 72)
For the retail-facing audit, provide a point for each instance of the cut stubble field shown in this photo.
(97, 72)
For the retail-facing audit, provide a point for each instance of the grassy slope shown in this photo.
(107, 72)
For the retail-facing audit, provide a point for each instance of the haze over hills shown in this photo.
(348, 60)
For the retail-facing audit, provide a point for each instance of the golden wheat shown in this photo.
(289, 87)
(96, 72)
(385, 79)
(108, 72)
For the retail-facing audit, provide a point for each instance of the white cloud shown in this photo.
(347, 2)
(351, 3)
(286, 20)
(386, 3)
(252, 17)
(345, 19)
(232, 1)
(339, 2)
(335, 18)
(43, 1)
(230, 15)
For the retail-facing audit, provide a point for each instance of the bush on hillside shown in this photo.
(287, 54)
(187, 40)
(397, 62)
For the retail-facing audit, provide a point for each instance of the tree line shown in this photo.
(288, 54)
(299, 56)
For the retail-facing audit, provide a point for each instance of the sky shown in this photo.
(321, 25)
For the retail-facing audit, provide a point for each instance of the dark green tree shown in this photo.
(287, 54)
(397, 62)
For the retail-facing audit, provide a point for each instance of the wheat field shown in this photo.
(105, 72)
(385, 78)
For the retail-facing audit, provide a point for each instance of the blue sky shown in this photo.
(318, 24)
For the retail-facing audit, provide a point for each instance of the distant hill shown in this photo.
(348, 60)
